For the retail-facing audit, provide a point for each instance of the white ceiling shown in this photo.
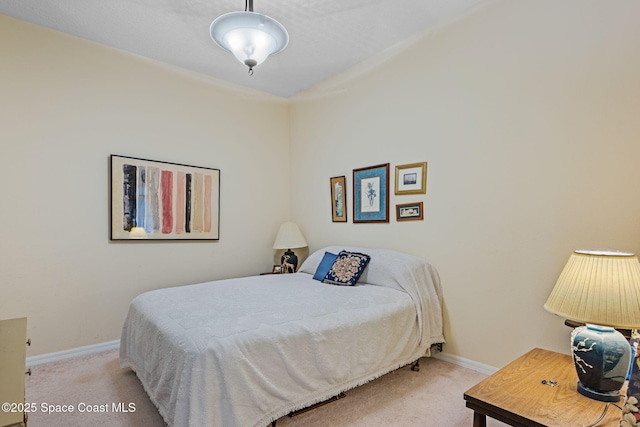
(326, 36)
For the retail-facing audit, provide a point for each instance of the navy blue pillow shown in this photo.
(325, 265)
(347, 268)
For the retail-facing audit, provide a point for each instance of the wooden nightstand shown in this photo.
(516, 395)
(277, 269)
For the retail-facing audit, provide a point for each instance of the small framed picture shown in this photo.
(277, 269)
(371, 194)
(409, 212)
(338, 199)
(411, 178)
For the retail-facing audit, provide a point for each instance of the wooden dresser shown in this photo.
(13, 354)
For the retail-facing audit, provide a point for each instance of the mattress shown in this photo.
(246, 351)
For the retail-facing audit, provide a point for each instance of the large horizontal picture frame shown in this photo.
(371, 194)
(338, 199)
(411, 178)
(409, 212)
(155, 200)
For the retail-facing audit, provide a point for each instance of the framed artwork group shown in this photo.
(371, 193)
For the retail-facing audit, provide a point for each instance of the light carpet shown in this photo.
(99, 391)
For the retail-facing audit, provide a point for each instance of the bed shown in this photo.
(244, 352)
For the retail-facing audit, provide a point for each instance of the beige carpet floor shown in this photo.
(432, 397)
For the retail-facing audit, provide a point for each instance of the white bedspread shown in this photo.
(243, 352)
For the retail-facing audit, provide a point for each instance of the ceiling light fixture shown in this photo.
(250, 36)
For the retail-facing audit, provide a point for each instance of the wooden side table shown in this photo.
(516, 395)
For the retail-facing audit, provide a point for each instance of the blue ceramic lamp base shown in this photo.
(610, 396)
(602, 358)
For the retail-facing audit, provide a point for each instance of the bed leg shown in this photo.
(273, 423)
(416, 366)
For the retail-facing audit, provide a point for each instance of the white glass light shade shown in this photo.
(250, 36)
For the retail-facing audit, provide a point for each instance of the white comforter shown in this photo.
(243, 352)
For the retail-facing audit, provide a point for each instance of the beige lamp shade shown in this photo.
(289, 236)
(599, 287)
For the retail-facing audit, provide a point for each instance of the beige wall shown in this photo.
(527, 113)
(66, 105)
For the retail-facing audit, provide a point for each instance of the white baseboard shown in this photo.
(465, 363)
(112, 345)
(72, 353)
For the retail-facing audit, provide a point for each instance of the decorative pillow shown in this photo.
(325, 265)
(347, 268)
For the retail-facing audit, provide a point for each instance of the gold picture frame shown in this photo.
(410, 212)
(338, 199)
(411, 178)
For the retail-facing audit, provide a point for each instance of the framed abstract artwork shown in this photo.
(338, 199)
(371, 194)
(156, 200)
(409, 212)
(411, 178)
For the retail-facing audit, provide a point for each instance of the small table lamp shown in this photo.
(289, 236)
(601, 289)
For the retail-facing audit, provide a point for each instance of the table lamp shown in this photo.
(289, 236)
(602, 290)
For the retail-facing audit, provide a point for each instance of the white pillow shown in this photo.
(386, 268)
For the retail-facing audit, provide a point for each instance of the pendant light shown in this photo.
(250, 36)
